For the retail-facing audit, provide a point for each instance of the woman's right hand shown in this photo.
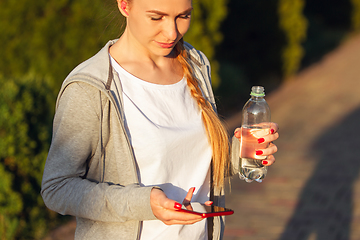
(164, 208)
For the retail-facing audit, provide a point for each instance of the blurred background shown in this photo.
(305, 53)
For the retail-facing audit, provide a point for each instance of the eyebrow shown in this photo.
(165, 14)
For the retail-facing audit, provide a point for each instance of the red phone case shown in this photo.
(206, 211)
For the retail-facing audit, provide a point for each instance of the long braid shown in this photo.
(216, 132)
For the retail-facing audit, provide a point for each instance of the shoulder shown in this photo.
(202, 70)
(197, 56)
(97, 66)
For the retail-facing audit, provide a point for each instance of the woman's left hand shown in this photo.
(268, 137)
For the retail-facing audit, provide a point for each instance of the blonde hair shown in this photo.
(216, 132)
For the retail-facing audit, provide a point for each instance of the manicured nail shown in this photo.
(261, 140)
(259, 152)
(177, 206)
(210, 202)
(193, 189)
(265, 162)
(272, 131)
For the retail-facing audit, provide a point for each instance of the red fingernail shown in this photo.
(177, 206)
(265, 162)
(272, 131)
(259, 152)
(261, 140)
(193, 189)
(210, 203)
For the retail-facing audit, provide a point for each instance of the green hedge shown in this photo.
(26, 111)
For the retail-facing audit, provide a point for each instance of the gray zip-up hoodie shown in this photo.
(90, 171)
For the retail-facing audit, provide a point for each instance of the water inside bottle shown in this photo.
(249, 140)
(251, 168)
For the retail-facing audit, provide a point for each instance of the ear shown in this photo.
(123, 7)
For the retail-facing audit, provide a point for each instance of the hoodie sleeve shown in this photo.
(65, 186)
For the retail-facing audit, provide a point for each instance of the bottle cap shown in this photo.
(257, 91)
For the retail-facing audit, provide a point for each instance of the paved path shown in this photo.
(313, 190)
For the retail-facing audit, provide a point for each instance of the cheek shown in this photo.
(141, 29)
(183, 27)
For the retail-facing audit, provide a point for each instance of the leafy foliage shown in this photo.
(42, 41)
(50, 37)
(356, 15)
(248, 42)
(294, 24)
(250, 52)
(329, 23)
(10, 205)
(25, 132)
(42, 47)
(204, 32)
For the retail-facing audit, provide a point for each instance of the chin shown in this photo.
(167, 52)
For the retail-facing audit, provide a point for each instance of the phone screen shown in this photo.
(204, 210)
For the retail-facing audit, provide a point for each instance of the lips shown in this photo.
(166, 45)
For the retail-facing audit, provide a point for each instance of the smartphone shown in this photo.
(204, 210)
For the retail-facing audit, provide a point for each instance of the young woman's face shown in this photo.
(157, 25)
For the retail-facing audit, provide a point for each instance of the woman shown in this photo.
(136, 133)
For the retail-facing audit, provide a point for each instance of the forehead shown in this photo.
(169, 6)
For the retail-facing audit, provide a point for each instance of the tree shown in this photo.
(250, 53)
(49, 38)
(11, 205)
(204, 33)
(52, 37)
(355, 20)
(294, 24)
(42, 42)
(26, 111)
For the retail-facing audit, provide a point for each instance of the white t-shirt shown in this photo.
(170, 147)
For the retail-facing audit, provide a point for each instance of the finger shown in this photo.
(265, 129)
(209, 203)
(274, 127)
(166, 209)
(197, 218)
(171, 204)
(177, 217)
(260, 132)
(268, 138)
(237, 133)
(171, 216)
(189, 195)
(261, 153)
(269, 160)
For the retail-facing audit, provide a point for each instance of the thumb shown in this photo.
(237, 133)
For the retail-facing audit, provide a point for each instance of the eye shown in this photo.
(185, 16)
(157, 18)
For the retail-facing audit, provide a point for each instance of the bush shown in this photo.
(26, 110)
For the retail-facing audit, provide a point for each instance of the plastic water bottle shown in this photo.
(255, 124)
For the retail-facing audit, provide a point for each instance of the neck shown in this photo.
(127, 48)
(144, 65)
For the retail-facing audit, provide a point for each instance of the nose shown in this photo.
(170, 30)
